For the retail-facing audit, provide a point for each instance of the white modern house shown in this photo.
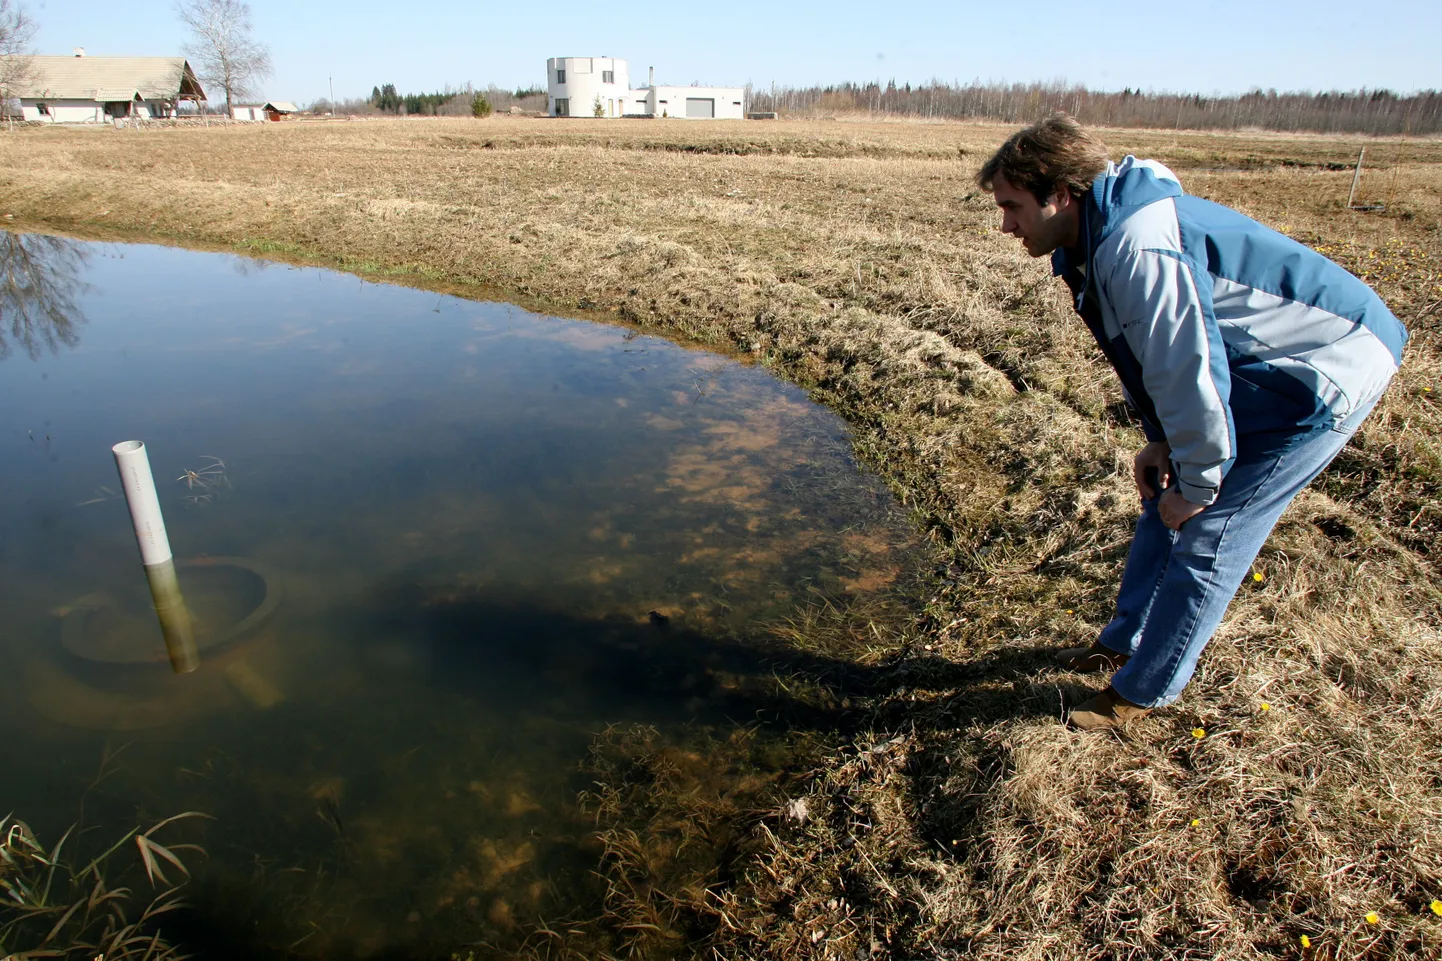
(601, 87)
(696, 103)
(81, 89)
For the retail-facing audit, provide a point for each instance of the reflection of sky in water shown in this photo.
(472, 512)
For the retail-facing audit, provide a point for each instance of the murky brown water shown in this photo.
(486, 535)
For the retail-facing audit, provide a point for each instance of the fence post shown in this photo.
(1356, 178)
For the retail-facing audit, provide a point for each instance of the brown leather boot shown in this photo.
(1094, 658)
(1107, 711)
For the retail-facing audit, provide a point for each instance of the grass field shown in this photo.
(949, 814)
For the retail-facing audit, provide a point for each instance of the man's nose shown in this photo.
(1008, 224)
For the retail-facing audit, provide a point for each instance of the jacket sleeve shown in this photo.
(1166, 317)
(1152, 432)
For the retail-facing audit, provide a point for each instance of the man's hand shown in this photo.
(1176, 510)
(1158, 456)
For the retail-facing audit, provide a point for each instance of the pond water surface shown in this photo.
(488, 535)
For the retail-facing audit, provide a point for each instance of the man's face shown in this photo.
(1041, 228)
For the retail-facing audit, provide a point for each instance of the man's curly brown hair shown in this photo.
(1050, 155)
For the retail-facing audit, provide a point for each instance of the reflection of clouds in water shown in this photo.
(286, 334)
(581, 336)
(39, 278)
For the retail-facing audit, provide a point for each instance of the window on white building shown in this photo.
(43, 108)
(560, 75)
(563, 106)
(608, 76)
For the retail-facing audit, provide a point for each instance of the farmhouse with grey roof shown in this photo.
(83, 89)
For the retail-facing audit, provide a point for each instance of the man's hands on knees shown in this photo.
(1156, 456)
(1152, 471)
(1176, 510)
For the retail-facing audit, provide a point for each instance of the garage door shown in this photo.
(697, 107)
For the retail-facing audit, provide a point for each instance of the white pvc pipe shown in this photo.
(175, 623)
(139, 486)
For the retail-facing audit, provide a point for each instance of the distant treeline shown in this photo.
(1356, 111)
(385, 98)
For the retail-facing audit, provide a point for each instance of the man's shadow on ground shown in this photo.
(519, 656)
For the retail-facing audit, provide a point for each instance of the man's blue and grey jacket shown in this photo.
(1219, 326)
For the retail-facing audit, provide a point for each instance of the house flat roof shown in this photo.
(693, 90)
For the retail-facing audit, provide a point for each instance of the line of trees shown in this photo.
(385, 99)
(1355, 111)
(467, 101)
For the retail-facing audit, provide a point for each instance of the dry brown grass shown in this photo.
(858, 260)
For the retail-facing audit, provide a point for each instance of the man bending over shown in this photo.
(1249, 358)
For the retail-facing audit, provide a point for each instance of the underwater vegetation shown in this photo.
(51, 908)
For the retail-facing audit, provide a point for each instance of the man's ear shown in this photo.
(1061, 199)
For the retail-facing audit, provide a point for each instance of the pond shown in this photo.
(464, 540)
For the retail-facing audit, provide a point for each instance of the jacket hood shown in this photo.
(1124, 188)
(1117, 193)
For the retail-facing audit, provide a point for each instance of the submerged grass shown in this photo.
(946, 811)
(50, 908)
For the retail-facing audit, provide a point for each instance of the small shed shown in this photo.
(271, 110)
(83, 89)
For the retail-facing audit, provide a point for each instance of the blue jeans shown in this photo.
(1177, 584)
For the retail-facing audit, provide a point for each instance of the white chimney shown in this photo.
(651, 81)
(79, 51)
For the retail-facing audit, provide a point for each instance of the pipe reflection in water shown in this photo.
(39, 278)
(139, 486)
(175, 622)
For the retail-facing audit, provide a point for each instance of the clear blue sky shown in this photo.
(1207, 46)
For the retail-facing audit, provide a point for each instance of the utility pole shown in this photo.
(332, 94)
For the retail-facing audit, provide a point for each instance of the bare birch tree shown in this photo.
(221, 47)
(16, 63)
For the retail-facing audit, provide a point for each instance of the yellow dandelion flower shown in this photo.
(1199, 733)
(1257, 576)
(1070, 611)
(1306, 941)
(1196, 822)
(1266, 706)
(1436, 907)
(1372, 918)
